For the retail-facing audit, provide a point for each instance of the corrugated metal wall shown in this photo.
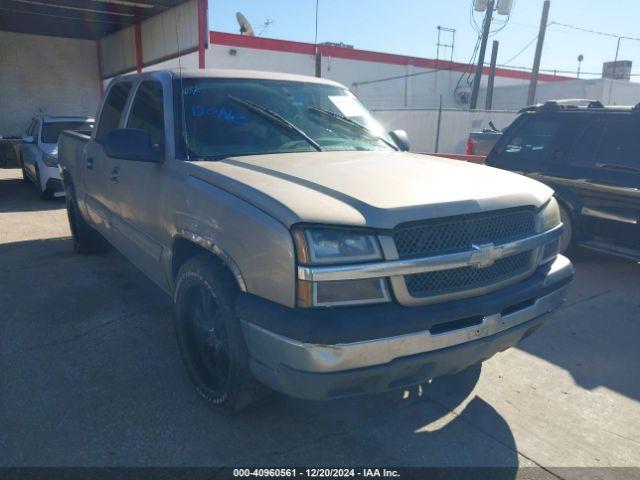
(161, 35)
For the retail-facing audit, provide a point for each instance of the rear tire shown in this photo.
(86, 240)
(210, 336)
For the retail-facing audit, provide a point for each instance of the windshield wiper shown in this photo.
(276, 119)
(351, 123)
(613, 166)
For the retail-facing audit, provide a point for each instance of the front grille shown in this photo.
(448, 234)
(467, 278)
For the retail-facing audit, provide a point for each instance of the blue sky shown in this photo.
(409, 27)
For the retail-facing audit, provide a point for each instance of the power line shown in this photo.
(595, 32)
(521, 50)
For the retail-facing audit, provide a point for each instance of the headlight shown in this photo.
(329, 245)
(321, 245)
(549, 217)
(49, 160)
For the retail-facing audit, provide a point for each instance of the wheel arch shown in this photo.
(571, 203)
(67, 179)
(187, 245)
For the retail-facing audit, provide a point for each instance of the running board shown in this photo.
(611, 249)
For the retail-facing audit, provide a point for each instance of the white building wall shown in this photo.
(221, 56)
(609, 92)
(421, 90)
(455, 125)
(48, 75)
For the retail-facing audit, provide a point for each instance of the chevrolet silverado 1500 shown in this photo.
(303, 249)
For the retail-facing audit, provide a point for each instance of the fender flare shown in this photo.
(211, 246)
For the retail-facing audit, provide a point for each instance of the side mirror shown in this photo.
(131, 144)
(27, 139)
(401, 139)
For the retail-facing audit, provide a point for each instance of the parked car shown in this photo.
(302, 248)
(590, 156)
(10, 151)
(481, 143)
(39, 151)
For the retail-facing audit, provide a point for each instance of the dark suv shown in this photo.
(590, 156)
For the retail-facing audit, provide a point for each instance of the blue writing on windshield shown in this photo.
(223, 113)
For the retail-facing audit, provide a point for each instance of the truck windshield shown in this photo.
(214, 124)
(52, 130)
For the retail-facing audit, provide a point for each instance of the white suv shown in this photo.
(39, 151)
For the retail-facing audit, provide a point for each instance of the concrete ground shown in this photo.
(90, 376)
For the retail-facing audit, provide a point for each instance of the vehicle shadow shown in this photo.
(594, 336)
(90, 356)
(17, 195)
(410, 427)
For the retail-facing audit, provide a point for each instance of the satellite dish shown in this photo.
(245, 26)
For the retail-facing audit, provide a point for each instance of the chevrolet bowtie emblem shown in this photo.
(484, 255)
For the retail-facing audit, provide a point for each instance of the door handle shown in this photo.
(89, 163)
(115, 171)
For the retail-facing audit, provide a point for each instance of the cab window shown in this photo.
(532, 141)
(112, 109)
(147, 112)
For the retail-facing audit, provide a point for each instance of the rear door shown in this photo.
(139, 186)
(96, 169)
(610, 192)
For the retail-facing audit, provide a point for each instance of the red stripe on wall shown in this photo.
(260, 43)
(287, 46)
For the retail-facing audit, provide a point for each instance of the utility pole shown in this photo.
(483, 47)
(492, 75)
(531, 97)
(315, 42)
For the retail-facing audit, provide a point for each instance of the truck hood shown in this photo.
(375, 189)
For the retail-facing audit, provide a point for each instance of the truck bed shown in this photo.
(70, 150)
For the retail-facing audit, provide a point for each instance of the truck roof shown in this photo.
(256, 74)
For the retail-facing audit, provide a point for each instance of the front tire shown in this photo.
(86, 240)
(210, 336)
(25, 176)
(45, 194)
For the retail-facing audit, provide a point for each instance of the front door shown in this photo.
(97, 166)
(139, 186)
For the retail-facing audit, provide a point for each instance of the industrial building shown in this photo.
(57, 59)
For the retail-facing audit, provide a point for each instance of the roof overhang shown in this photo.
(85, 19)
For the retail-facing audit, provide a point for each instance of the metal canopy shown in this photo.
(87, 19)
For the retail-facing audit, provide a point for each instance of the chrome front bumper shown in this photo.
(276, 359)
